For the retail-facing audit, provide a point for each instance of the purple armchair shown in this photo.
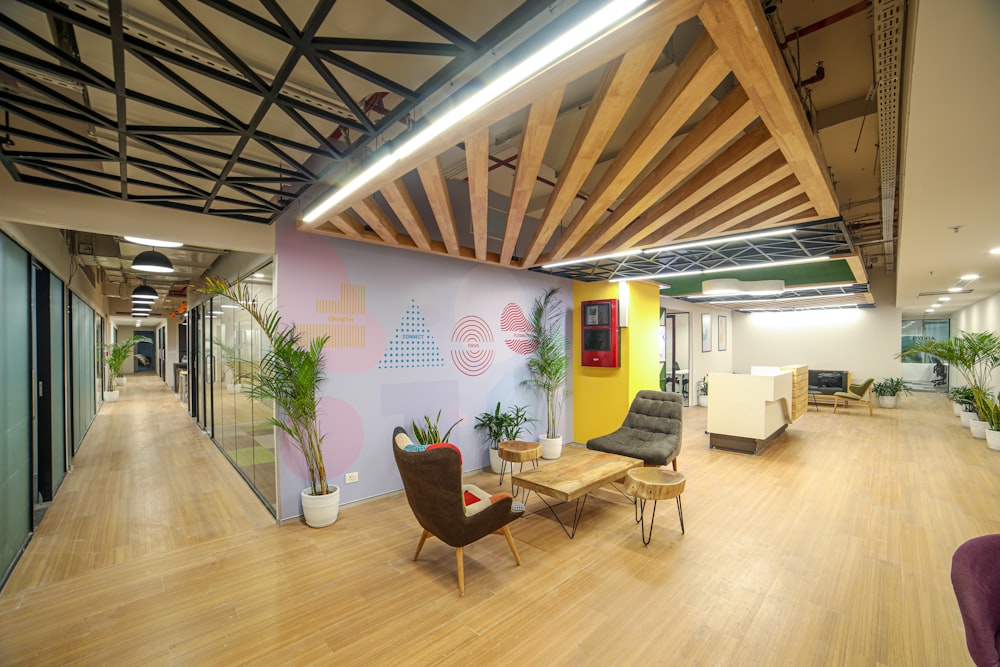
(975, 575)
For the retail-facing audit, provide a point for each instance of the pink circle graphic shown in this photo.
(513, 322)
(472, 351)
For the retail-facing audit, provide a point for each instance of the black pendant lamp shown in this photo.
(144, 294)
(152, 261)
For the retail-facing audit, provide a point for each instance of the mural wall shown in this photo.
(410, 335)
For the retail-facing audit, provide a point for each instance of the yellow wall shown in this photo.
(601, 396)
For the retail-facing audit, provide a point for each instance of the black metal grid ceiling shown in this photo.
(220, 107)
(819, 239)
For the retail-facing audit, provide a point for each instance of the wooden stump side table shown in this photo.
(654, 484)
(517, 451)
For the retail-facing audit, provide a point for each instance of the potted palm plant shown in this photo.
(501, 427)
(992, 418)
(887, 390)
(118, 354)
(547, 365)
(976, 355)
(289, 374)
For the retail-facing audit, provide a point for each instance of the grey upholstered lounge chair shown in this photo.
(651, 431)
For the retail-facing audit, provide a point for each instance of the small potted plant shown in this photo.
(887, 390)
(992, 418)
(960, 397)
(118, 354)
(501, 427)
(431, 432)
(702, 386)
(548, 365)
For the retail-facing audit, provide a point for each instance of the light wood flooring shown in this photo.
(831, 548)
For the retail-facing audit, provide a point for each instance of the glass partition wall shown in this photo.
(925, 372)
(234, 345)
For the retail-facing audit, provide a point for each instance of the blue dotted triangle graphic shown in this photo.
(413, 344)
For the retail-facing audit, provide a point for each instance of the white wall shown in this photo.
(983, 316)
(864, 341)
(703, 363)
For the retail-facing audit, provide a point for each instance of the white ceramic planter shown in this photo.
(888, 402)
(978, 428)
(703, 400)
(551, 447)
(112, 396)
(957, 408)
(966, 418)
(993, 439)
(234, 388)
(319, 511)
(495, 461)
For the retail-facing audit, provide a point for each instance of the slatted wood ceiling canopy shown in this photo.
(714, 143)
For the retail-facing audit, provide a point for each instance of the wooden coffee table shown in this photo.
(573, 476)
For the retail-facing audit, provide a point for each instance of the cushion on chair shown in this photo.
(975, 576)
(651, 430)
(476, 500)
(847, 394)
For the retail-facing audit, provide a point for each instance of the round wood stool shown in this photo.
(654, 484)
(517, 451)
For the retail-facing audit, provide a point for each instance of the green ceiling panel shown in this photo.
(809, 273)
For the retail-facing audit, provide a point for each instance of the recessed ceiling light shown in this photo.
(970, 276)
(156, 243)
(929, 310)
(995, 251)
(954, 289)
(944, 298)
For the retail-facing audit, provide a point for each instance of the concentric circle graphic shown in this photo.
(515, 325)
(472, 349)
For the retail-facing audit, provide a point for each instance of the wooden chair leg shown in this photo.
(870, 413)
(420, 545)
(835, 401)
(461, 571)
(510, 543)
(675, 464)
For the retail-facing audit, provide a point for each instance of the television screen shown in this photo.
(827, 381)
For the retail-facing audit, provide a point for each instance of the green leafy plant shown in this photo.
(702, 386)
(548, 363)
(118, 354)
(432, 433)
(891, 387)
(289, 374)
(975, 355)
(502, 426)
(991, 413)
(963, 396)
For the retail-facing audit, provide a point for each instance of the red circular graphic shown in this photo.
(512, 321)
(472, 351)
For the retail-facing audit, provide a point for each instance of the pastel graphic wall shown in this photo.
(410, 334)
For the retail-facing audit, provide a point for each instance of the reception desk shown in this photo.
(746, 413)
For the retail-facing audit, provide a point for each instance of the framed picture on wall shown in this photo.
(706, 332)
(722, 333)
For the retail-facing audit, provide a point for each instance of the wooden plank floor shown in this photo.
(831, 548)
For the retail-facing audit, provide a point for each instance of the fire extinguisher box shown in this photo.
(600, 333)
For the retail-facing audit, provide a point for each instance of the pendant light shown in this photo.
(152, 261)
(144, 294)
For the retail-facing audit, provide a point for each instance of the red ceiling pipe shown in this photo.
(829, 20)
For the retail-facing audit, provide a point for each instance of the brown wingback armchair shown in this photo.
(432, 480)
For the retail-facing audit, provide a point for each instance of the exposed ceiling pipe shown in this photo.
(828, 21)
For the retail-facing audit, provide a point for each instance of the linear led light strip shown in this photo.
(696, 272)
(569, 40)
(702, 297)
(668, 248)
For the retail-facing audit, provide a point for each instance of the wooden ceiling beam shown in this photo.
(375, 217)
(699, 73)
(620, 84)
(746, 42)
(432, 176)
(398, 198)
(534, 141)
(743, 154)
(727, 120)
(757, 178)
(776, 215)
(349, 224)
(655, 18)
(477, 167)
(748, 207)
